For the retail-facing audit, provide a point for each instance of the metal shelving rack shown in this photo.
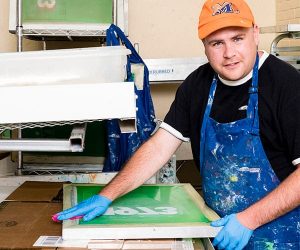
(49, 30)
(57, 32)
(161, 70)
(288, 31)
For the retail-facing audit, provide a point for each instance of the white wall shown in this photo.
(288, 12)
(8, 41)
(168, 28)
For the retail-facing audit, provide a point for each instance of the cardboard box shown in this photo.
(38, 191)
(21, 223)
(26, 214)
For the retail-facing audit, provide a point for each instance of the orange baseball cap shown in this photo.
(218, 14)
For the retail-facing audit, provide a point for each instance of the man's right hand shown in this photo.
(87, 209)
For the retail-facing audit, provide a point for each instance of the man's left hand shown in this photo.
(233, 235)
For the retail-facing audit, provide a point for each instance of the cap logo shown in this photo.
(226, 7)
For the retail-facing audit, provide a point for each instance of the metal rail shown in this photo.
(74, 144)
(19, 31)
(288, 31)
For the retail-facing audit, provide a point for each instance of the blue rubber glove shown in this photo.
(233, 235)
(89, 208)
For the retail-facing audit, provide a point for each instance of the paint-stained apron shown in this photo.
(236, 172)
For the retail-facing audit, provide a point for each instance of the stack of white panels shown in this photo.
(63, 85)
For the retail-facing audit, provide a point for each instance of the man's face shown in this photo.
(232, 51)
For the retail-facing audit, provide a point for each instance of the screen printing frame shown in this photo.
(70, 29)
(73, 229)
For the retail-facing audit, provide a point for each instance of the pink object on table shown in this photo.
(54, 217)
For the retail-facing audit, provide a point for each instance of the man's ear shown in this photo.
(256, 34)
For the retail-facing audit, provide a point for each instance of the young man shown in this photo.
(242, 115)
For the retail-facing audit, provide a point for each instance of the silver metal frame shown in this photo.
(290, 31)
(292, 35)
(19, 32)
(120, 16)
(74, 144)
(164, 70)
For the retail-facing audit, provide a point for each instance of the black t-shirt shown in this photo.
(278, 104)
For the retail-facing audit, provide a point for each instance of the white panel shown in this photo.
(67, 102)
(172, 69)
(99, 64)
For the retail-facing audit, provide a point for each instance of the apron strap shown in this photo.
(205, 118)
(252, 110)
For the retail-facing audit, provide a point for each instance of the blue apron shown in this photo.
(236, 172)
(122, 145)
